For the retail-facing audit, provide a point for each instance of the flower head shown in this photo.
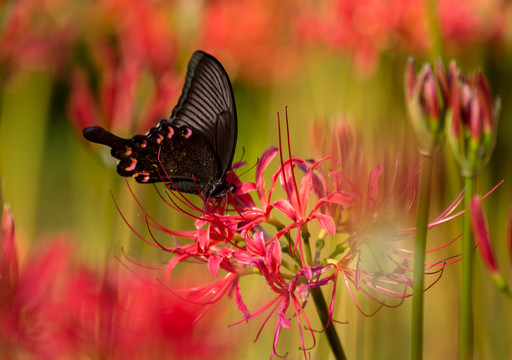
(268, 228)
(472, 121)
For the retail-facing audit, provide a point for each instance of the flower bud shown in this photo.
(471, 122)
(426, 106)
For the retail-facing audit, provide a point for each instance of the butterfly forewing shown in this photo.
(207, 105)
(194, 149)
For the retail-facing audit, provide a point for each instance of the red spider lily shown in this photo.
(51, 308)
(118, 90)
(119, 57)
(465, 23)
(256, 35)
(366, 29)
(37, 35)
(132, 49)
(267, 228)
(381, 201)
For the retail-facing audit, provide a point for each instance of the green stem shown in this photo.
(419, 259)
(321, 305)
(466, 303)
(307, 247)
(330, 331)
(434, 28)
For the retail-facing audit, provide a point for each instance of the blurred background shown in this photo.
(120, 64)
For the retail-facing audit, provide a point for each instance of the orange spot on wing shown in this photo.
(132, 166)
(145, 174)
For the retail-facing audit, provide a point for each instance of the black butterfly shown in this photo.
(195, 147)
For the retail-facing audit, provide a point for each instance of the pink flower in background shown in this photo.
(52, 308)
(375, 255)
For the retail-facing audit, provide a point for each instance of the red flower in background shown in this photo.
(263, 40)
(38, 34)
(365, 29)
(467, 23)
(51, 308)
(255, 37)
(117, 57)
(132, 57)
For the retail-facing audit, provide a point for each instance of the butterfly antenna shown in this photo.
(252, 167)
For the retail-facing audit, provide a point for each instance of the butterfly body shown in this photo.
(193, 150)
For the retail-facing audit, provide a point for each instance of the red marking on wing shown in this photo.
(145, 174)
(132, 166)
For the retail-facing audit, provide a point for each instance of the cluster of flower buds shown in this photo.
(471, 120)
(461, 104)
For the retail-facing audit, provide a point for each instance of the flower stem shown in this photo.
(307, 246)
(332, 335)
(466, 303)
(434, 28)
(419, 259)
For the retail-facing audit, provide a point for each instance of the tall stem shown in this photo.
(332, 335)
(419, 259)
(321, 306)
(466, 302)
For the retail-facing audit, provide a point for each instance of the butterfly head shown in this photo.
(218, 189)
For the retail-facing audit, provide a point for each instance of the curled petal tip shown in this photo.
(482, 235)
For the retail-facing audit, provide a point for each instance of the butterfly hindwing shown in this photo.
(165, 153)
(194, 149)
